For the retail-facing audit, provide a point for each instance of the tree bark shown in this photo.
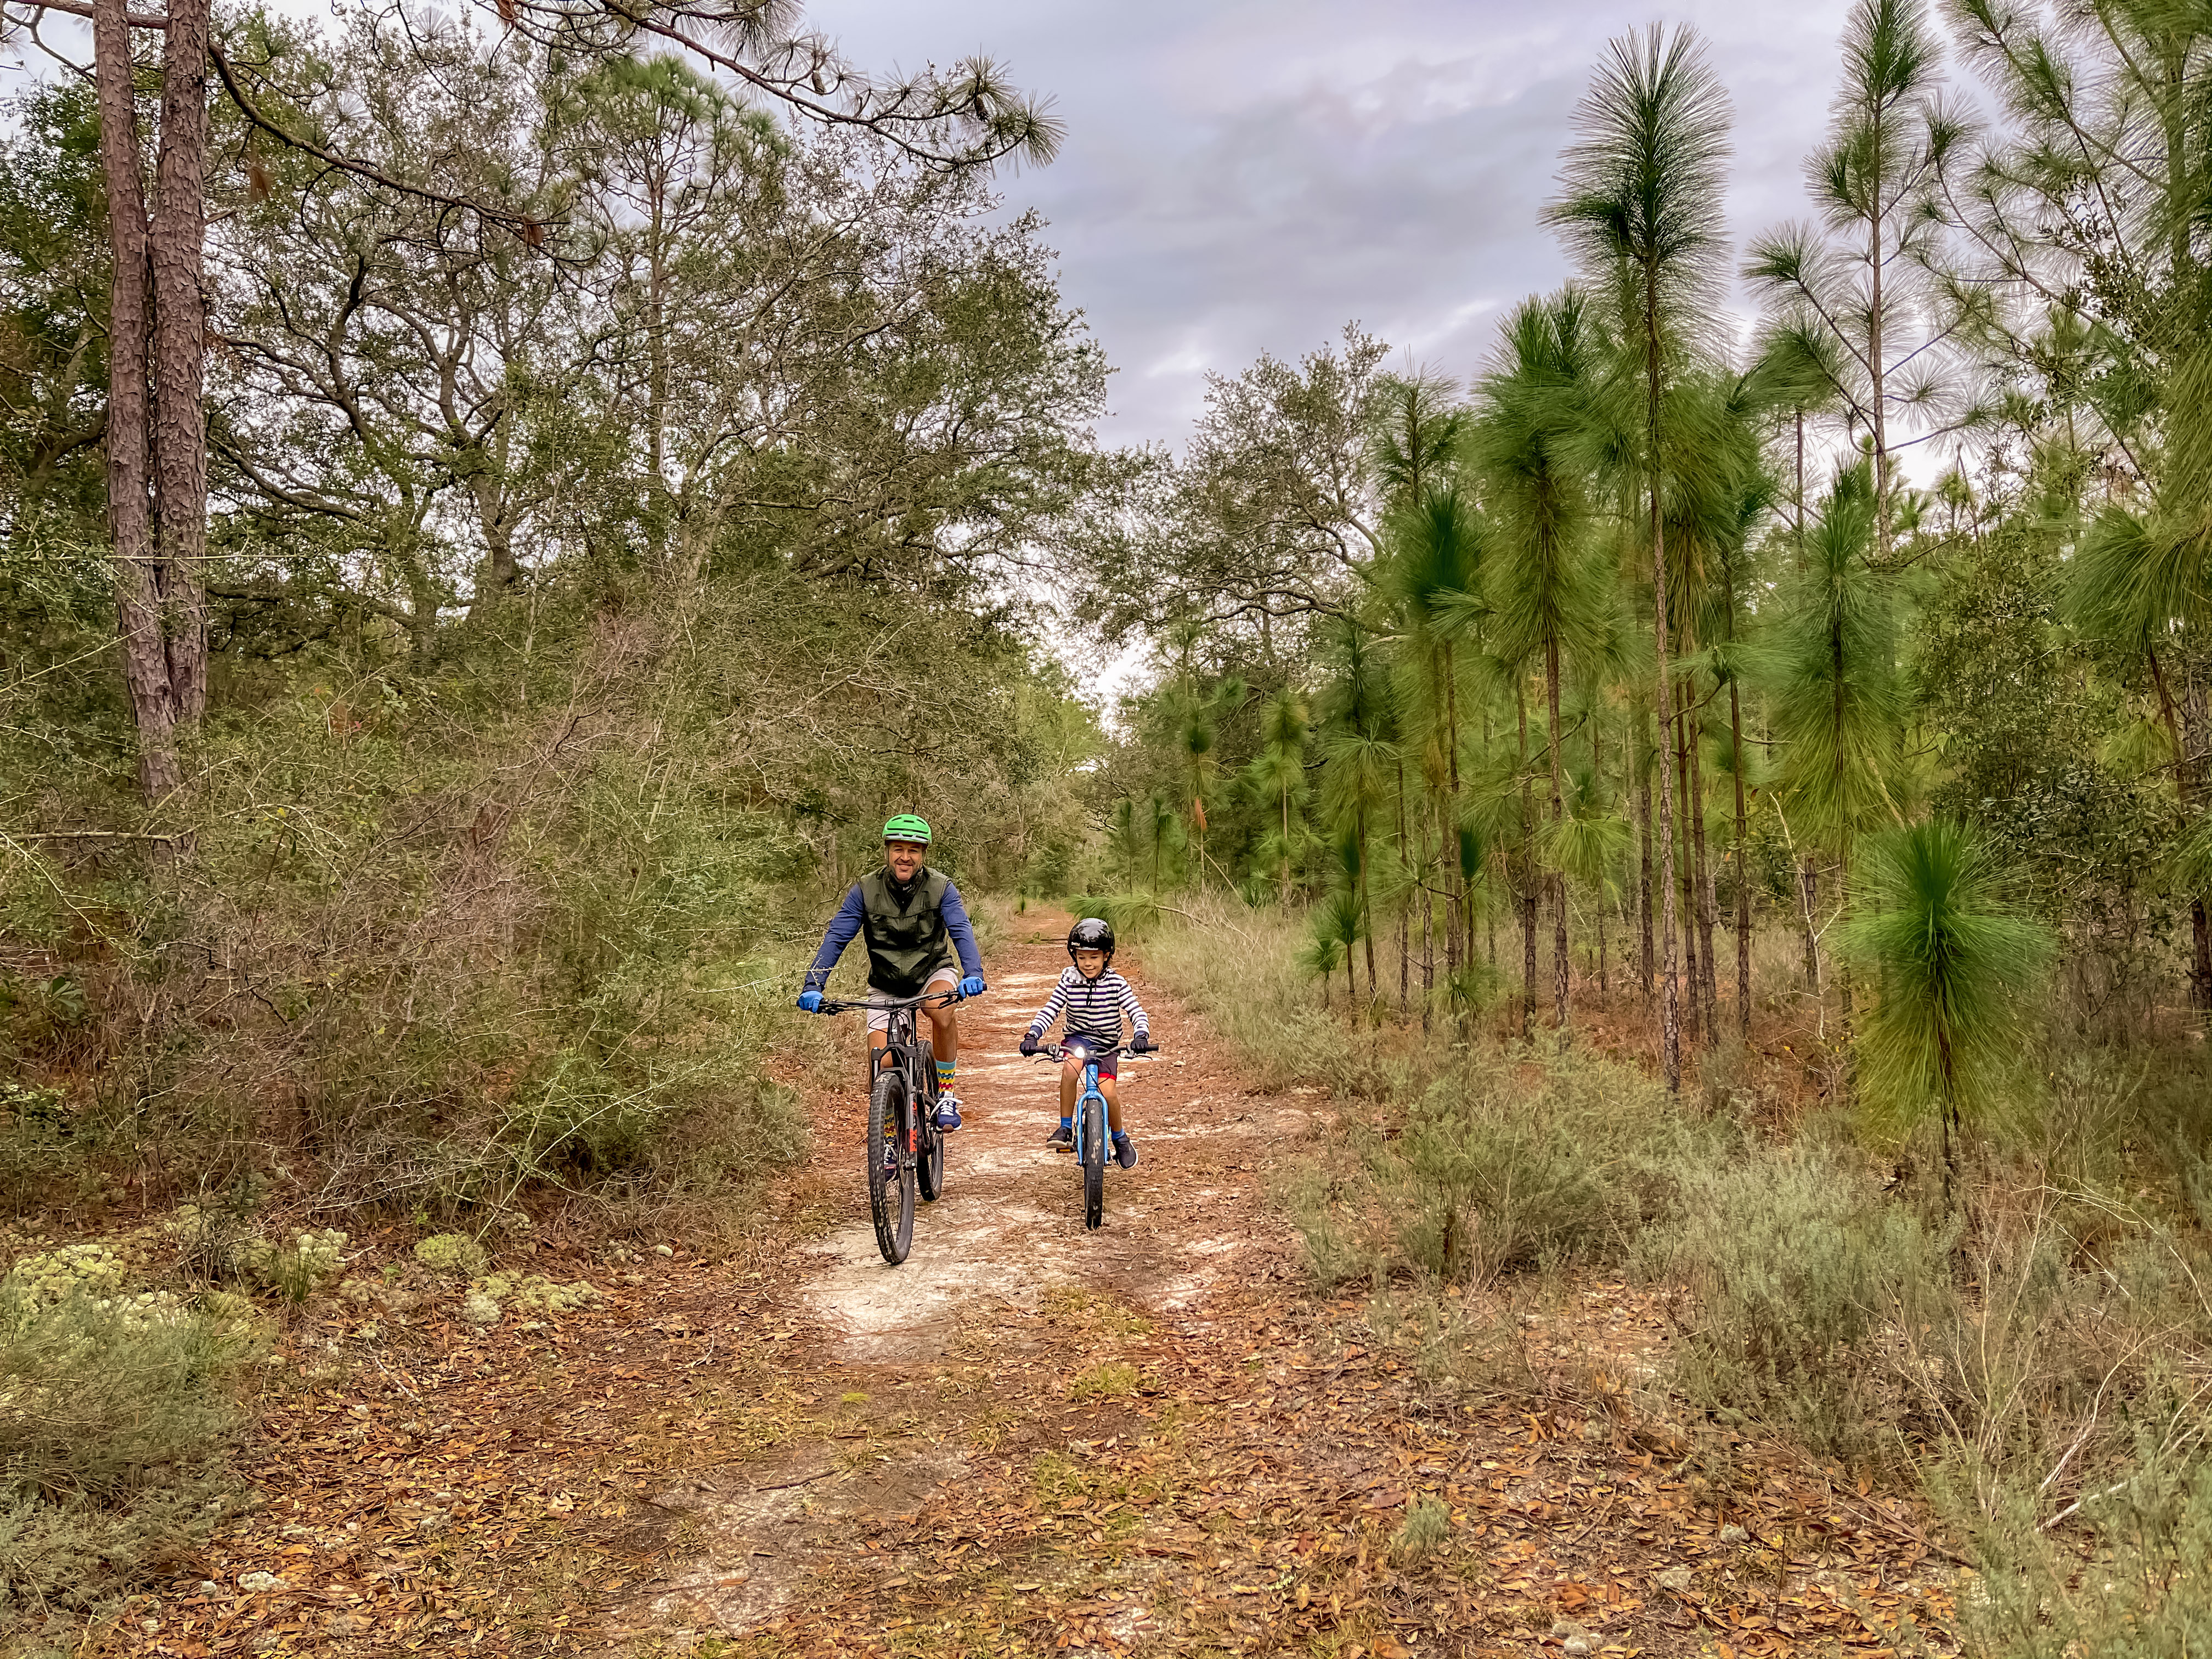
(1528, 894)
(1405, 918)
(1647, 969)
(1670, 1007)
(139, 619)
(1708, 904)
(1809, 880)
(179, 231)
(1688, 868)
(1558, 883)
(1742, 873)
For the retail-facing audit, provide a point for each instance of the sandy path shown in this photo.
(1005, 1243)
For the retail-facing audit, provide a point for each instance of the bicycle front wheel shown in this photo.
(890, 1167)
(1094, 1161)
(929, 1161)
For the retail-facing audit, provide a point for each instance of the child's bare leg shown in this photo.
(1107, 1087)
(1071, 1076)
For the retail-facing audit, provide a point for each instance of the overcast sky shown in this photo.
(1248, 175)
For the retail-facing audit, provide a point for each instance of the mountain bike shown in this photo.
(1091, 1150)
(906, 1149)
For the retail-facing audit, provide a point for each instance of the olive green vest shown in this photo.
(906, 942)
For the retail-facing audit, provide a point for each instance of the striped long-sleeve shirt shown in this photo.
(1094, 1007)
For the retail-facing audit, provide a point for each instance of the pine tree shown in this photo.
(1643, 212)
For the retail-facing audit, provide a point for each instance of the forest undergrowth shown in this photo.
(2030, 1359)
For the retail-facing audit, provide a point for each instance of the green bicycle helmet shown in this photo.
(905, 826)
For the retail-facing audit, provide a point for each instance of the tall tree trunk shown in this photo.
(1670, 1006)
(2185, 783)
(1528, 894)
(180, 477)
(1454, 911)
(1404, 928)
(1367, 913)
(1742, 871)
(1688, 867)
(1559, 965)
(1646, 961)
(1877, 369)
(140, 623)
(1809, 880)
(1428, 939)
(1742, 834)
(1597, 780)
(1707, 905)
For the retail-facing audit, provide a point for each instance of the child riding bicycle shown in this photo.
(1094, 1001)
(913, 920)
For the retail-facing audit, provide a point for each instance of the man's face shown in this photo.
(1091, 964)
(904, 857)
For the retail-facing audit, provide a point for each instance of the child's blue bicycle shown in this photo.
(1090, 1126)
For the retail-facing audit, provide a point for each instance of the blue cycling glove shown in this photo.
(811, 1001)
(973, 985)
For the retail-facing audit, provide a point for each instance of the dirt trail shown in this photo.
(1001, 1268)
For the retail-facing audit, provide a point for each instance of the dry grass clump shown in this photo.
(1537, 1158)
(114, 1424)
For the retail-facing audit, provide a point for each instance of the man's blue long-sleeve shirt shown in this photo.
(845, 928)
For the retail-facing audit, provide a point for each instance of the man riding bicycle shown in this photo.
(913, 920)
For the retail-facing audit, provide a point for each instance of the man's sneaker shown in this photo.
(1125, 1150)
(948, 1113)
(1062, 1140)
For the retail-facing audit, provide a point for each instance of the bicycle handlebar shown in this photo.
(873, 1004)
(1057, 1052)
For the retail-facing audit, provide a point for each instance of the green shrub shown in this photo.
(114, 1423)
(1488, 1172)
(2129, 1576)
(1795, 1265)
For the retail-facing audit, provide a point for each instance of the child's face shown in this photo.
(1091, 964)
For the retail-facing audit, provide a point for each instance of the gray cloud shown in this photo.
(1247, 177)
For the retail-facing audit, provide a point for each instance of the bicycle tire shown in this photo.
(929, 1165)
(1094, 1161)
(890, 1191)
(928, 1138)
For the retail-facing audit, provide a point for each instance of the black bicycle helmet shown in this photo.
(1091, 933)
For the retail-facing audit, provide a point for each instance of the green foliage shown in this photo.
(111, 1445)
(1796, 1266)
(1484, 1175)
(1425, 1529)
(1831, 672)
(2142, 1590)
(1954, 964)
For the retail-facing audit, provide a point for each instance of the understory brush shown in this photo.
(115, 1420)
(2033, 1351)
(436, 936)
(1534, 1158)
(1239, 966)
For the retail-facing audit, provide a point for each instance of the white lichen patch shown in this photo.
(535, 1293)
(453, 1252)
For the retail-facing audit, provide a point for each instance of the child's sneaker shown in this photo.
(948, 1113)
(1125, 1150)
(1062, 1140)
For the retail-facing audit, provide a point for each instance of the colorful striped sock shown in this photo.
(944, 1076)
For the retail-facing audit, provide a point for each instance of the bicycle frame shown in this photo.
(1091, 1133)
(906, 1151)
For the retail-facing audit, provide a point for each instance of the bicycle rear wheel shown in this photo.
(890, 1168)
(1094, 1161)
